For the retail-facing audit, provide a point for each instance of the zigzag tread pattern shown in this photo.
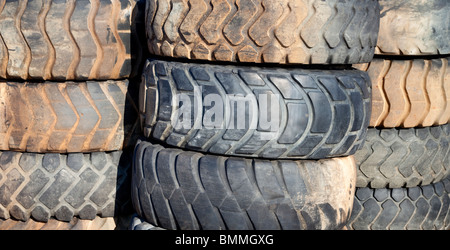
(63, 186)
(264, 31)
(409, 93)
(397, 158)
(66, 117)
(175, 189)
(320, 114)
(416, 208)
(66, 40)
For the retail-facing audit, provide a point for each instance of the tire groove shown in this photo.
(71, 71)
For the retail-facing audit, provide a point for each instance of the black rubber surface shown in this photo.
(64, 186)
(176, 189)
(416, 208)
(395, 158)
(271, 113)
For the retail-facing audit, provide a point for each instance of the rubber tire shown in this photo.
(414, 27)
(67, 116)
(323, 113)
(70, 40)
(267, 31)
(409, 93)
(63, 186)
(176, 189)
(397, 158)
(76, 224)
(416, 208)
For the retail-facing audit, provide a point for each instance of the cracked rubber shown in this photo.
(414, 27)
(70, 40)
(264, 31)
(63, 186)
(322, 113)
(62, 117)
(409, 93)
(396, 158)
(176, 189)
(416, 208)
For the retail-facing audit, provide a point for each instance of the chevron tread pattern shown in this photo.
(397, 158)
(264, 31)
(66, 117)
(176, 189)
(409, 93)
(66, 40)
(322, 113)
(416, 208)
(63, 186)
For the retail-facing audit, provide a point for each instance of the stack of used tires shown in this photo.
(67, 114)
(404, 166)
(251, 113)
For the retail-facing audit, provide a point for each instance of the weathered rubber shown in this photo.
(176, 189)
(269, 31)
(414, 27)
(69, 40)
(322, 113)
(396, 158)
(63, 186)
(75, 224)
(66, 116)
(416, 208)
(409, 93)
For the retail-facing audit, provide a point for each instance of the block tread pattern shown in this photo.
(175, 189)
(416, 208)
(264, 31)
(323, 113)
(66, 40)
(396, 158)
(64, 186)
(414, 28)
(409, 93)
(63, 117)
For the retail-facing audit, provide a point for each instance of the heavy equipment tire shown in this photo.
(70, 40)
(415, 208)
(414, 28)
(176, 189)
(64, 186)
(396, 158)
(409, 93)
(271, 113)
(266, 31)
(53, 224)
(63, 117)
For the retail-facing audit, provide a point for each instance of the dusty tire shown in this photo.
(75, 224)
(409, 93)
(66, 117)
(176, 189)
(320, 113)
(414, 27)
(269, 31)
(63, 186)
(68, 40)
(416, 208)
(396, 158)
